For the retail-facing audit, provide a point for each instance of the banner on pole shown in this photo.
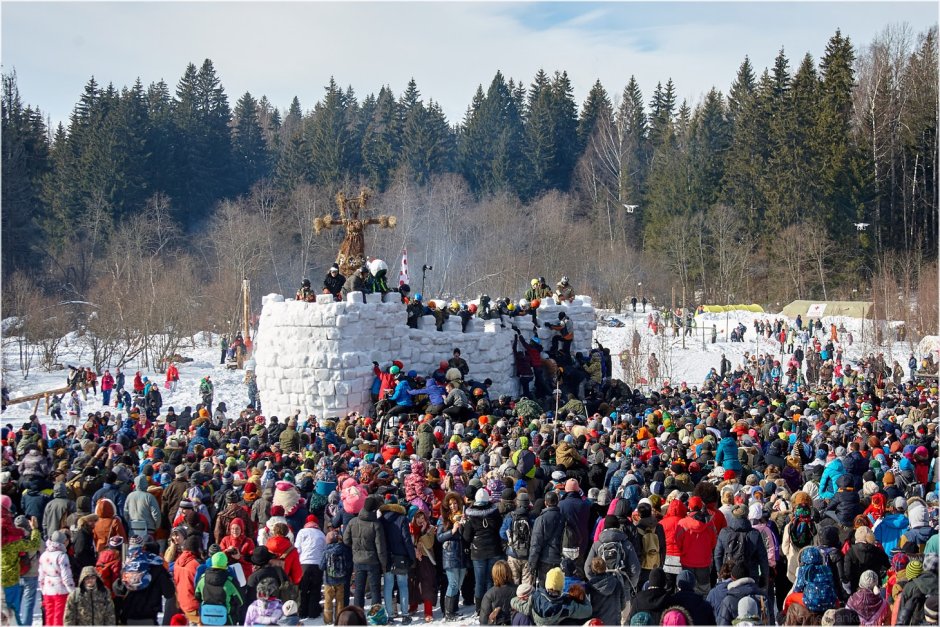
(403, 273)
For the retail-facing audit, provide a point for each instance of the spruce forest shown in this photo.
(155, 200)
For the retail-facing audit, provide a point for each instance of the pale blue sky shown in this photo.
(292, 48)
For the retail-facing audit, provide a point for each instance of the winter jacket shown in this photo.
(670, 524)
(481, 531)
(174, 493)
(366, 537)
(112, 492)
(505, 528)
(577, 512)
(108, 524)
(55, 573)
(863, 556)
(608, 597)
(702, 613)
(737, 590)
(654, 601)
(452, 547)
(696, 540)
(827, 485)
(497, 597)
(184, 580)
(398, 541)
(651, 525)
(57, 510)
(545, 546)
(914, 597)
(289, 441)
(552, 610)
(400, 396)
(9, 556)
(282, 548)
(425, 439)
(147, 603)
(34, 501)
(846, 505)
(264, 612)
(34, 463)
(310, 543)
(890, 530)
(755, 552)
(89, 607)
(142, 505)
(726, 454)
(336, 547)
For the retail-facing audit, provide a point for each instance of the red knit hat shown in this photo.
(695, 504)
(250, 488)
(729, 475)
(179, 620)
(277, 510)
(312, 520)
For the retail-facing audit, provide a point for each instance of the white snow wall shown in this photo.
(317, 357)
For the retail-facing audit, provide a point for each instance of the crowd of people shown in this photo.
(760, 497)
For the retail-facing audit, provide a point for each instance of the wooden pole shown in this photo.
(683, 315)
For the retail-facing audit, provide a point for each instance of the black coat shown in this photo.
(497, 597)
(861, 557)
(654, 601)
(846, 505)
(481, 531)
(545, 543)
(147, 603)
(608, 597)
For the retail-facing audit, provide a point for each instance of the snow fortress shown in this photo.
(317, 357)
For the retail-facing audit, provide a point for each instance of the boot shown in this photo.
(477, 601)
(450, 608)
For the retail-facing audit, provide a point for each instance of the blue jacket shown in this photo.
(889, 531)
(337, 547)
(451, 547)
(726, 455)
(827, 485)
(507, 523)
(434, 391)
(398, 539)
(401, 396)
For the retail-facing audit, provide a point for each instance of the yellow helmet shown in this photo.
(511, 306)
(535, 282)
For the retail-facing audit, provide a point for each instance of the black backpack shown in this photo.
(612, 554)
(737, 547)
(336, 566)
(520, 536)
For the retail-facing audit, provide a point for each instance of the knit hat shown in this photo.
(900, 504)
(739, 511)
(657, 578)
(250, 488)
(524, 590)
(755, 512)
(116, 542)
(930, 609)
(747, 608)
(868, 580)
(482, 497)
(220, 561)
(59, 537)
(312, 520)
(696, 504)
(277, 510)
(914, 569)
(572, 486)
(685, 580)
(555, 580)
(864, 534)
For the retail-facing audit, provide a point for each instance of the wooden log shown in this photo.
(38, 395)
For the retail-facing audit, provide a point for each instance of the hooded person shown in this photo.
(141, 506)
(55, 578)
(864, 555)
(89, 603)
(365, 535)
(288, 497)
(108, 524)
(695, 604)
(216, 588)
(607, 593)
(57, 510)
(740, 541)
(481, 533)
(919, 531)
(741, 586)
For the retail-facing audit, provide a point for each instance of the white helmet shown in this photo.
(523, 302)
(376, 265)
(564, 280)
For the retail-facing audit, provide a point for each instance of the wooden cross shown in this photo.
(352, 251)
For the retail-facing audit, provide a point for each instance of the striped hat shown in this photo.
(914, 569)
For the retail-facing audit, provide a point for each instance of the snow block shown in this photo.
(316, 357)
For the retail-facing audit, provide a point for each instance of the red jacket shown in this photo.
(674, 515)
(184, 578)
(718, 518)
(282, 548)
(386, 380)
(696, 542)
(138, 383)
(107, 382)
(172, 374)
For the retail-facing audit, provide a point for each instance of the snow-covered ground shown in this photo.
(689, 364)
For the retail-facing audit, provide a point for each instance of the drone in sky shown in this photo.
(861, 226)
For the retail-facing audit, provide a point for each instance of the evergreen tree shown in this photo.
(596, 108)
(711, 138)
(661, 112)
(565, 122)
(331, 143)
(742, 90)
(249, 151)
(540, 136)
(382, 140)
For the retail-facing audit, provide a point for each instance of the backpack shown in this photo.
(136, 574)
(612, 554)
(288, 590)
(570, 540)
(650, 553)
(210, 614)
(109, 570)
(335, 565)
(802, 528)
(818, 592)
(520, 536)
(737, 546)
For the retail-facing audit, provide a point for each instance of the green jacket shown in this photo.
(10, 560)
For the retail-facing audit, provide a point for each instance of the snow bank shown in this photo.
(317, 357)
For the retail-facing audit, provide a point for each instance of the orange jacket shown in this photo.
(184, 578)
